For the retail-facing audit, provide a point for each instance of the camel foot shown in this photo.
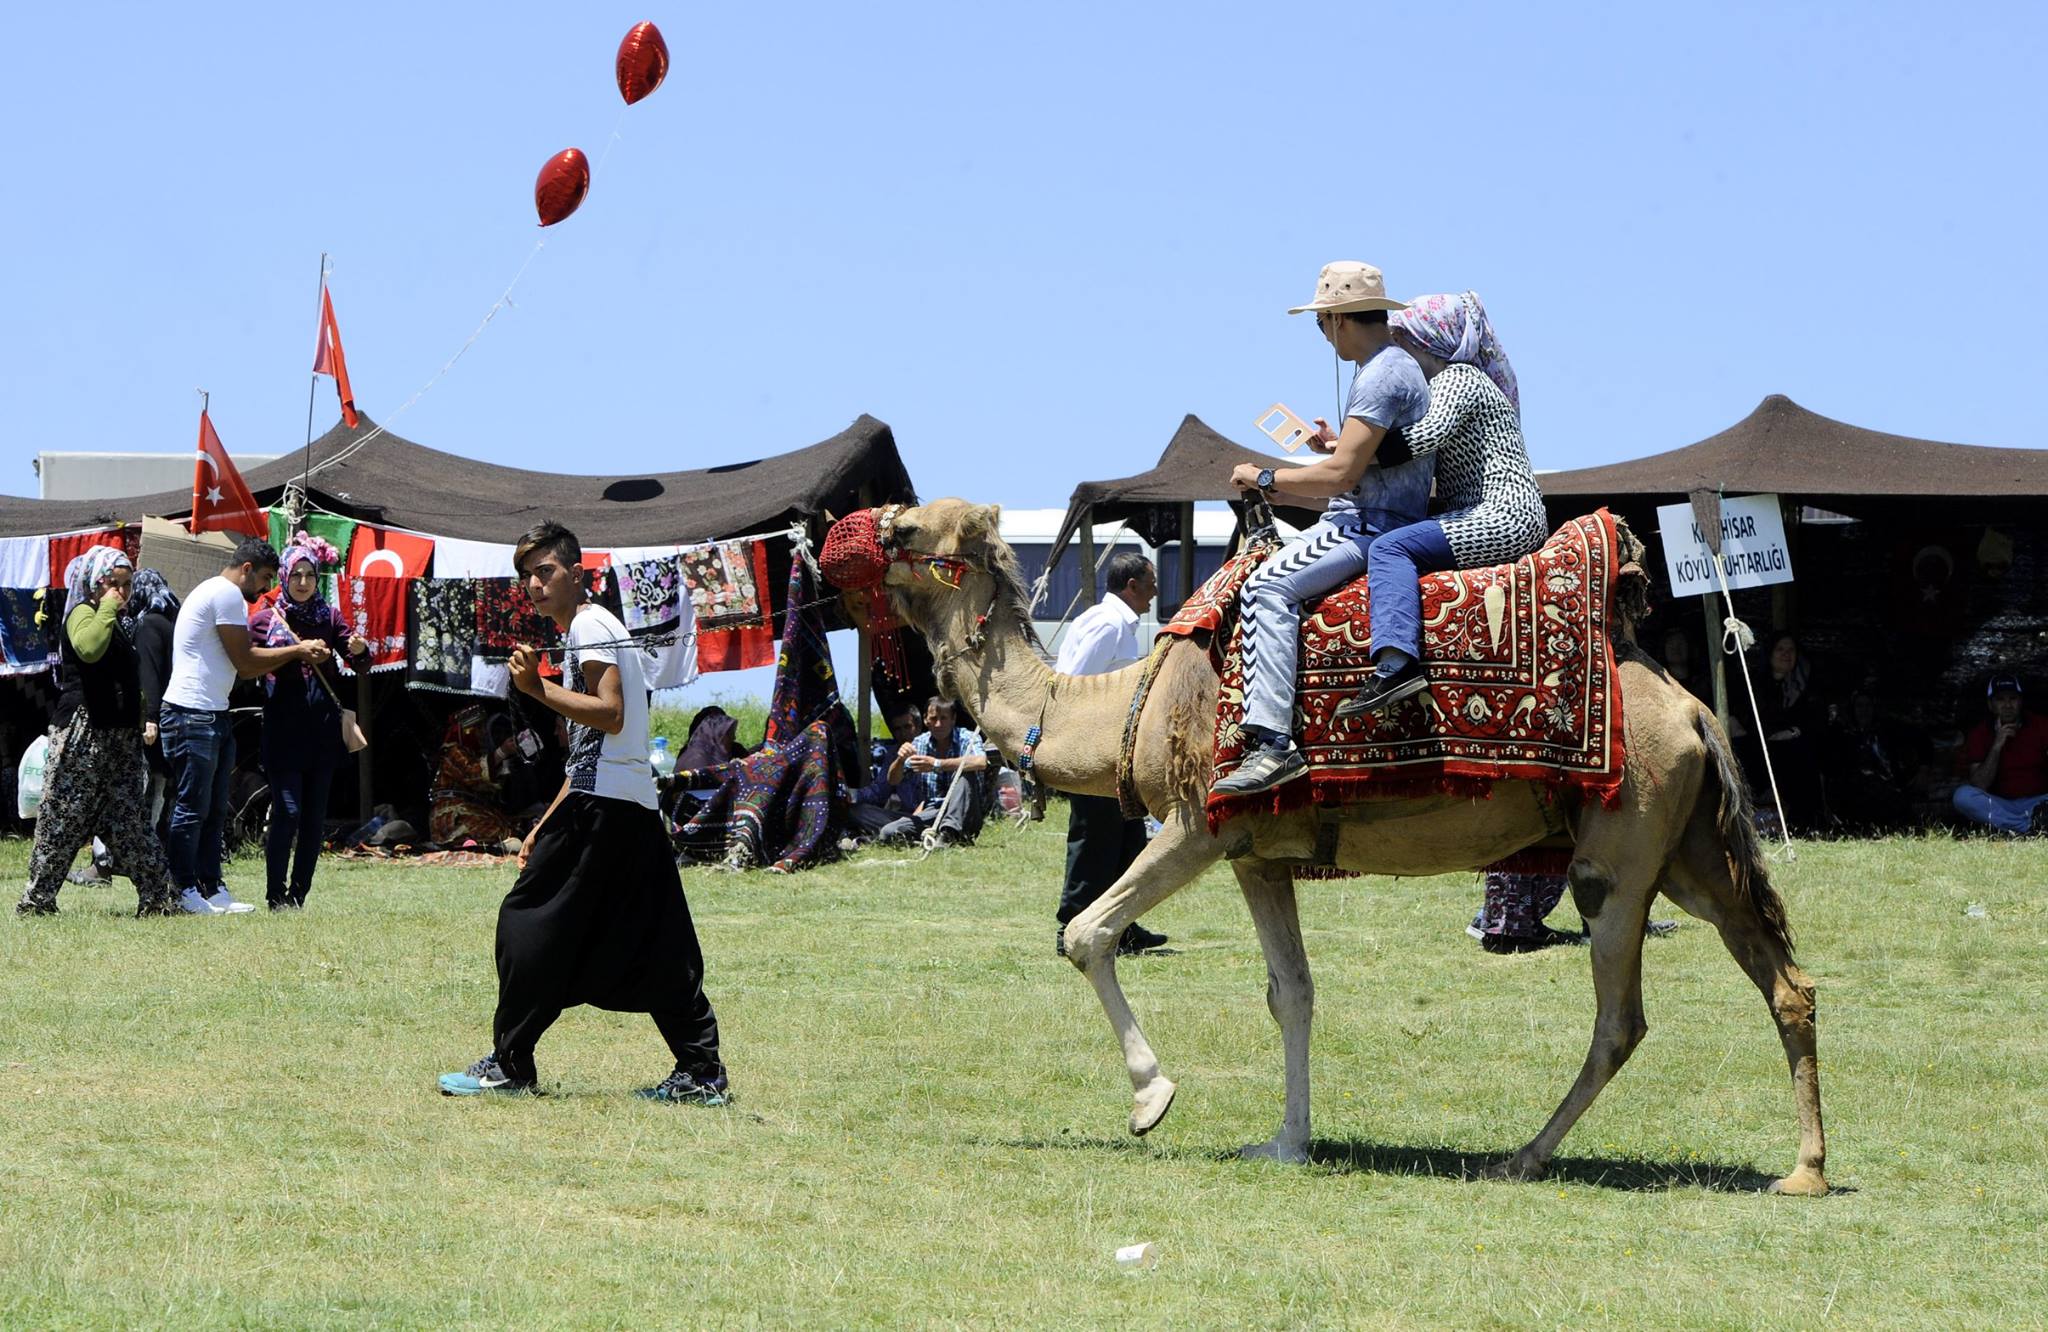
(1286, 1153)
(1150, 1106)
(1518, 1169)
(1805, 1182)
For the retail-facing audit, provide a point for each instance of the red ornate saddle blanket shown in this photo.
(1521, 670)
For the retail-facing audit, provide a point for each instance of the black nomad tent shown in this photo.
(376, 476)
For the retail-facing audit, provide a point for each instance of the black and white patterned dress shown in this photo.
(1492, 506)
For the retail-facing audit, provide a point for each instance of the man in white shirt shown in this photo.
(210, 648)
(1101, 842)
(597, 915)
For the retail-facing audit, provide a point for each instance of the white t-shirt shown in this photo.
(1103, 638)
(202, 673)
(612, 766)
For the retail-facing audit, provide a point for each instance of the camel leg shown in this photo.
(1290, 997)
(1613, 894)
(1169, 862)
(1700, 881)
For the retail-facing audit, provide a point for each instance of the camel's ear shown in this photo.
(983, 520)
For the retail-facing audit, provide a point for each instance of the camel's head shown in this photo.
(941, 567)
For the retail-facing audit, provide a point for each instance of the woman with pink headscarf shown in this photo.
(1491, 510)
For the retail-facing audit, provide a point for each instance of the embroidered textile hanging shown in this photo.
(374, 609)
(443, 633)
(29, 648)
(505, 619)
(728, 586)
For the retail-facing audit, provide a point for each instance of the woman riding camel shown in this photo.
(1491, 507)
(1372, 486)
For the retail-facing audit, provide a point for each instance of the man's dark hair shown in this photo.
(942, 704)
(1365, 316)
(253, 550)
(551, 538)
(1125, 568)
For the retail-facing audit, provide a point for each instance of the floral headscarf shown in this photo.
(149, 594)
(1456, 328)
(85, 571)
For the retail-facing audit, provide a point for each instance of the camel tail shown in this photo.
(1737, 825)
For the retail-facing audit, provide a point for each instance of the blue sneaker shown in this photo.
(485, 1077)
(705, 1087)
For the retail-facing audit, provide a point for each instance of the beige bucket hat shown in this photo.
(1347, 286)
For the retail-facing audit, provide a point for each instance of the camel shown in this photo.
(1682, 826)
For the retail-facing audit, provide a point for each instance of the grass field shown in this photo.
(231, 1122)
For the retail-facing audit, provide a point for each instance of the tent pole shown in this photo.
(1717, 660)
(866, 718)
(366, 790)
(1088, 556)
(1187, 556)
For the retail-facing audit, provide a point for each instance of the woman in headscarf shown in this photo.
(154, 608)
(1491, 507)
(95, 783)
(302, 740)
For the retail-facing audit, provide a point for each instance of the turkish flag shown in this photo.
(220, 500)
(379, 552)
(328, 360)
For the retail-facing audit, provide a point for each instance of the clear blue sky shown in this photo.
(1030, 238)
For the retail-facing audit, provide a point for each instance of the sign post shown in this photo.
(1744, 536)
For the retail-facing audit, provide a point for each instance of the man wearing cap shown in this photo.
(2005, 764)
(1369, 483)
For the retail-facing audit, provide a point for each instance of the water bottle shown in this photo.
(663, 762)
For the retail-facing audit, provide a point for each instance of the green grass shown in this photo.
(232, 1123)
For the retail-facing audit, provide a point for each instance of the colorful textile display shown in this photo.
(1521, 673)
(727, 583)
(465, 801)
(443, 633)
(374, 608)
(650, 593)
(29, 648)
(66, 548)
(780, 806)
(505, 619)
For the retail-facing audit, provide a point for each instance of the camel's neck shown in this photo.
(1010, 690)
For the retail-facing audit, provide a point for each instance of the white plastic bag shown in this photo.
(28, 790)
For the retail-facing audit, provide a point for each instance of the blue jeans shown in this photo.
(2001, 812)
(1393, 572)
(200, 748)
(298, 818)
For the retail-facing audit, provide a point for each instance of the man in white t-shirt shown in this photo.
(597, 915)
(210, 648)
(1101, 842)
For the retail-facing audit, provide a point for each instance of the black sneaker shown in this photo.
(1384, 691)
(704, 1087)
(1059, 940)
(1137, 939)
(1519, 943)
(1263, 769)
(486, 1077)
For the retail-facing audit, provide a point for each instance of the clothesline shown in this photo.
(787, 533)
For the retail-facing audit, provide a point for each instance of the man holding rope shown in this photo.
(597, 915)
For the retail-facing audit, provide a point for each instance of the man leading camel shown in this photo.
(1372, 485)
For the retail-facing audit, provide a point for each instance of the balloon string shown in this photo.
(385, 425)
(610, 142)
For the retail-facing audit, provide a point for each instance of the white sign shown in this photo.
(1752, 546)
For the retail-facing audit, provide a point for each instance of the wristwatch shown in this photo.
(1265, 478)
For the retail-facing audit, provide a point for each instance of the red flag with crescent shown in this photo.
(379, 552)
(328, 360)
(221, 502)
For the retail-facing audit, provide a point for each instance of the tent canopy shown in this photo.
(1196, 466)
(1782, 448)
(395, 482)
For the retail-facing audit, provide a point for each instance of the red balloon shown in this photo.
(643, 62)
(563, 183)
